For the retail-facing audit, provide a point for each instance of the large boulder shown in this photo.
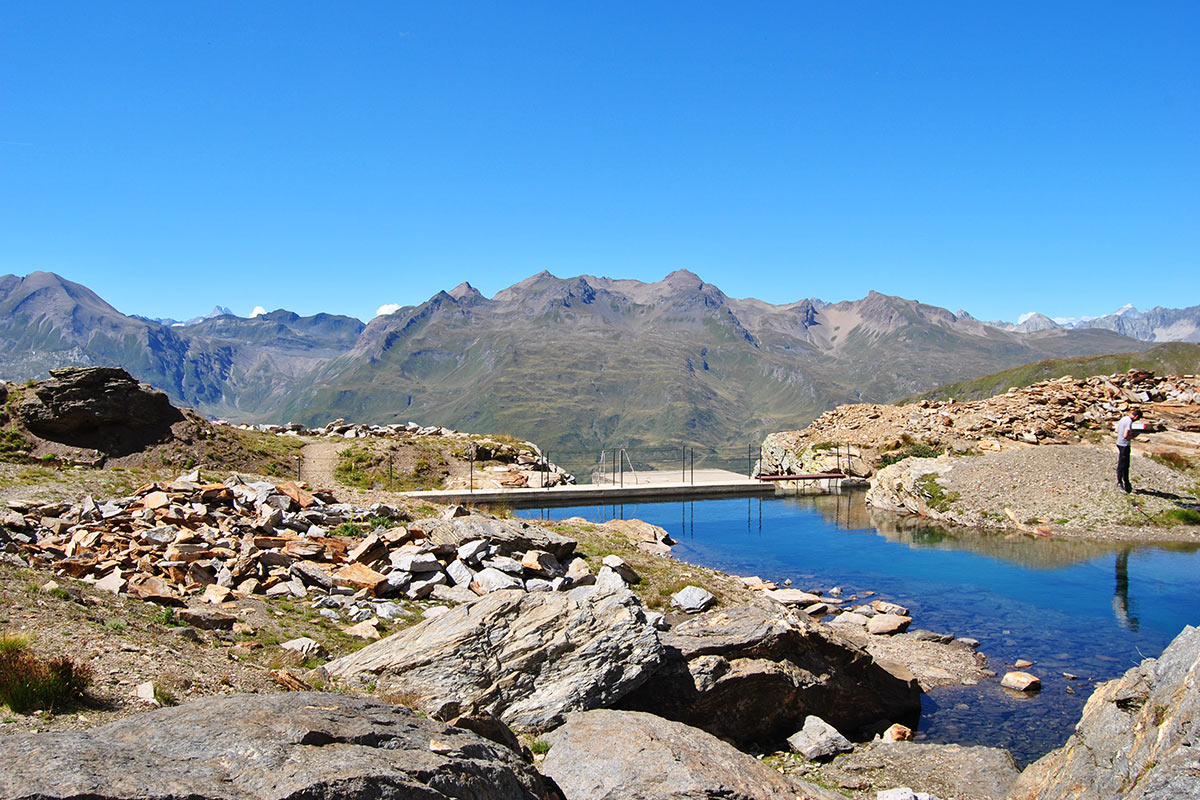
(508, 536)
(626, 755)
(264, 747)
(98, 407)
(752, 673)
(527, 658)
(1139, 736)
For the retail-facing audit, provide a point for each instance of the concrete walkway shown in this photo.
(647, 486)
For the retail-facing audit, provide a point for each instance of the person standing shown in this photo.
(1125, 434)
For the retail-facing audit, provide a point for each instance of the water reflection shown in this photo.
(1121, 593)
(1092, 609)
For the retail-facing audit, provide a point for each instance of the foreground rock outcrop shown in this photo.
(527, 658)
(263, 747)
(626, 755)
(1139, 736)
(752, 673)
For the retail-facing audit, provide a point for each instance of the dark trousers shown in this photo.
(1123, 469)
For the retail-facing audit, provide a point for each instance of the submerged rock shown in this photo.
(1139, 736)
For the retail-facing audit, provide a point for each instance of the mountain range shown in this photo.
(1155, 325)
(576, 364)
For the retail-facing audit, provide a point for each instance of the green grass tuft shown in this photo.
(29, 683)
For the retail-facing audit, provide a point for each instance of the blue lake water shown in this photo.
(1086, 608)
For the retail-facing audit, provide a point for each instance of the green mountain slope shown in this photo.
(1172, 358)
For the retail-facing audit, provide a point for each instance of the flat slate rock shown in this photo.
(266, 747)
(627, 755)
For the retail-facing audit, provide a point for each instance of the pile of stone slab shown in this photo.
(169, 541)
(1048, 412)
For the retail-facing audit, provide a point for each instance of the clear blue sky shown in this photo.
(999, 157)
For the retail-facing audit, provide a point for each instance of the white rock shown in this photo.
(693, 599)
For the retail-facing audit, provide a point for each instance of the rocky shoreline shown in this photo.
(551, 642)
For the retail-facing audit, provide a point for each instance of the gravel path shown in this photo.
(1070, 488)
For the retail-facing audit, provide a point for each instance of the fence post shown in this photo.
(471, 480)
(683, 472)
(621, 458)
(389, 472)
(749, 463)
(298, 468)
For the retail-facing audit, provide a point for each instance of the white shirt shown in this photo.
(1123, 429)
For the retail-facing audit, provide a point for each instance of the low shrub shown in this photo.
(28, 683)
(910, 450)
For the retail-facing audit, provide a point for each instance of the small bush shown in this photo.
(910, 450)
(28, 683)
(539, 747)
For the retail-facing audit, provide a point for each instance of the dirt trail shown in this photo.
(317, 460)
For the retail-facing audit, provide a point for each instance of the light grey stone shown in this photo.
(490, 579)
(693, 599)
(525, 658)
(818, 740)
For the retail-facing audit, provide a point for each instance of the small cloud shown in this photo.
(1025, 316)
(257, 312)
(388, 308)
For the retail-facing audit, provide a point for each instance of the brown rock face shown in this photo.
(751, 674)
(98, 407)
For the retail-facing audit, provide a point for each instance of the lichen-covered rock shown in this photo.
(625, 755)
(266, 747)
(527, 658)
(1139, 736)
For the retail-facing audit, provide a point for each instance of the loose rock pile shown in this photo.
(234, 539)
(1049, 412)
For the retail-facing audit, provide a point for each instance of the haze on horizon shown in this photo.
(174, 157)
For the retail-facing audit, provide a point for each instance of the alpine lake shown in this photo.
(1086, 609)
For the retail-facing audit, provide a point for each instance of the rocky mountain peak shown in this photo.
(466, 293)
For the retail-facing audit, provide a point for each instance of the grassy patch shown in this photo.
(29, 683)
(1175, 461)
(1179, 516)
(910, 450)
(939, 498)
(539, 747)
